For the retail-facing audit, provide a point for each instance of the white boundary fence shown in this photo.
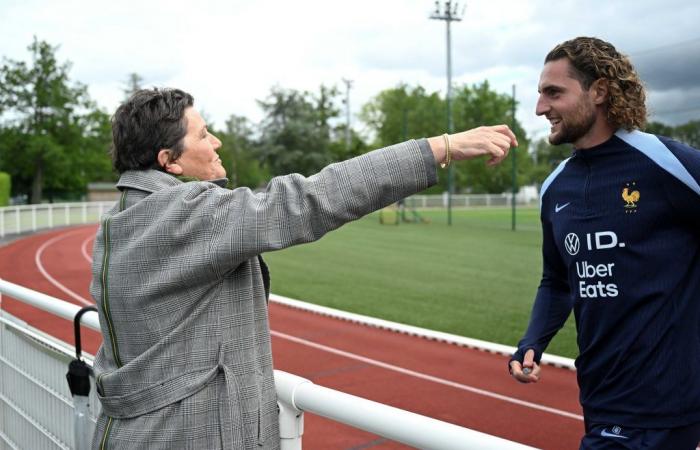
(37, 409)
(469, 200)
(20, 219)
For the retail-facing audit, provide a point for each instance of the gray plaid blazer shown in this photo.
(182, 295)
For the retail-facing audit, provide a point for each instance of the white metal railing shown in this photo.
(392, 423)
(491, 347)
(37, 407)
(295, 395)
(20, 219)
(469, 200)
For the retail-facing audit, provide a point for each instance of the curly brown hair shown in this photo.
(593, 59)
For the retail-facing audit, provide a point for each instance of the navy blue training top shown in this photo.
(621, 246)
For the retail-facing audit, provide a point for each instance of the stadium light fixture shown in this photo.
(449, 14)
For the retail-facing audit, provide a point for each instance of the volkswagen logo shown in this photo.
(572, 244)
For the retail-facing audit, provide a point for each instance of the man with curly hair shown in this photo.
(621, 247)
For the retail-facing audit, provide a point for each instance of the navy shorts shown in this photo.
(608, 437)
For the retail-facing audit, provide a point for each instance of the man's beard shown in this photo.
(572, 130)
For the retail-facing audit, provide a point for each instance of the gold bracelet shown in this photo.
(448, 152)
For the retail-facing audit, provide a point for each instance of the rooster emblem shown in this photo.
(630, 197)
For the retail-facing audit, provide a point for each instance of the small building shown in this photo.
(102, 192)
(527, 194)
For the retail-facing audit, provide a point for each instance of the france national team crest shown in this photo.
(631, 196)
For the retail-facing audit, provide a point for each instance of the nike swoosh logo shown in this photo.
(605, 433)
(558, 208)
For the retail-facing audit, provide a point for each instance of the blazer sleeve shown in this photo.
(295, 209)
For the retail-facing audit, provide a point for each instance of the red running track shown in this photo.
(467, 387)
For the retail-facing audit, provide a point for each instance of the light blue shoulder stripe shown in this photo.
(655, 150)
(551, 178)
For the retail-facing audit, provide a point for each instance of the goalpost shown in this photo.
(402, 211)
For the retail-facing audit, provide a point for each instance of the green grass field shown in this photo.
(476, 278)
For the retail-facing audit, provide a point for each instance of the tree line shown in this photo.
(54, 139)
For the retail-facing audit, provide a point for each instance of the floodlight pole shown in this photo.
(448, 14)
(348, 85)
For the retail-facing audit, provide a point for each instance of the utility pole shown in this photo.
(448, 13)
(348, 85)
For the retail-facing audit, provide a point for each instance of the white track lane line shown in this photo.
(83, 248)
(423, 376)
(52, 280)
(332, 350)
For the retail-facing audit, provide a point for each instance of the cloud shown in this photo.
(229, 53)
(675, 106)
(674, 66)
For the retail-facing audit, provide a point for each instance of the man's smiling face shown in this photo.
(563, 101)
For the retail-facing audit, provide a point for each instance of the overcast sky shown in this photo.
(229, 53)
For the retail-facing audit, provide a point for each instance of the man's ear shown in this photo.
(167, 164)
(599, 91)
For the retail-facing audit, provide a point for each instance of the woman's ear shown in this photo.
(167, 164)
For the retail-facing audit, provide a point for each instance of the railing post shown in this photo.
(33, 217)
(17, 222)
(50, 215)
(67, 206)
(291, 422)
(2, 222)
(291, 418)
(84, 212)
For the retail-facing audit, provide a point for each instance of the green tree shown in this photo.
(404, 112)
(689, 133)
(93, 158)
(134, 82)
(296, 130)
(240, 154)
(660, 129)
(478, 105)
(338, 147)
(546, 158)
(407, 112)
(44, 120)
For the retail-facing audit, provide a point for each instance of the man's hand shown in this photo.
(528, 371)
(493, 141)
